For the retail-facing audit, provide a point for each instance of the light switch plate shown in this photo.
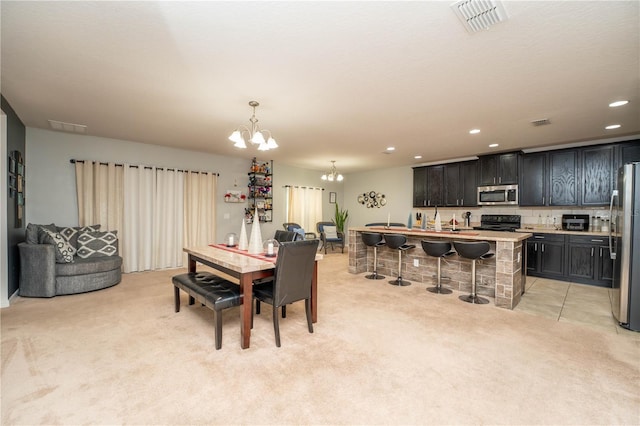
(416, 262)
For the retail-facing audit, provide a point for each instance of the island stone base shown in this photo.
(501, 277)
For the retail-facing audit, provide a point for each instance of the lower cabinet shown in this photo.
(546, 256)
(577, 258)
(589, 260)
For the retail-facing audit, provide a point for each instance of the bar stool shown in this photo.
(375, 240)
(474, 250)
(398, 242)
(438, 249)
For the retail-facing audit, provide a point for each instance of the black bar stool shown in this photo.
(398, 242)
(375, 240)
(474, 250)
(438, 249)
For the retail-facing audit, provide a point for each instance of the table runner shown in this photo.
(235, 249)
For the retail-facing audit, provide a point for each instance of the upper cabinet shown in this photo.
(563, 178)
(460, 184)
(598, 175)
(500, 169)
(428, 186)
(533, 179)
(568, 177)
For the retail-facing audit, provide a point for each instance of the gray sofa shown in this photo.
(67, 260)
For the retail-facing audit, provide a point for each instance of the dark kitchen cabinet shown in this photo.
(563, 178)
(420, 187)
(546, 255)
(500, 169)
(533, 178)
(598, 175)
(428, 187)
(577, 258)
(589, 260)
(628, 152)
(460, 184)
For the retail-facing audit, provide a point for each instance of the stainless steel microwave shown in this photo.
(498, 195)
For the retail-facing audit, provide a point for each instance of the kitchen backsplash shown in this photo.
(529, 215)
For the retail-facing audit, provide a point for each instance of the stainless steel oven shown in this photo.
(498, 195)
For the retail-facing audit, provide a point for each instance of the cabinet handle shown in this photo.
(500, 179)
(535, 247)
(538, 237)
(543, 200)
(542, 247)
(600, 251)
(494, 180)
(597, 241)
(591, 251)
(462, 201)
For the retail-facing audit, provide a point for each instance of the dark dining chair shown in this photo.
(282, 236)
(291, 281)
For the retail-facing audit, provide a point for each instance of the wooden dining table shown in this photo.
(246, 268)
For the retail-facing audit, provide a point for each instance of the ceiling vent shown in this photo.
(477, 15)
(67, 127)
(541, 122)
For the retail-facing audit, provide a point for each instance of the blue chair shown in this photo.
(330, 235)
(294, 227)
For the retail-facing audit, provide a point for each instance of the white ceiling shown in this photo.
(335, 80)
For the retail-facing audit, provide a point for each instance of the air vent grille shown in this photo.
(477, 15)
(67, 127)
(541, 122)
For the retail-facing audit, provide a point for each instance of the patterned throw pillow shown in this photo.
(330, 232)
(71, 234)
(97, 244)
(64, 252)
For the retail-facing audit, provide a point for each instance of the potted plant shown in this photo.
(340, 218)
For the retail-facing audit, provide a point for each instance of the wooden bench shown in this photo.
(212, 291)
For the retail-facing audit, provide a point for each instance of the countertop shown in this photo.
(463, 233)
(545, 230)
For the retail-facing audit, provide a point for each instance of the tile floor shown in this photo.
(570, 302)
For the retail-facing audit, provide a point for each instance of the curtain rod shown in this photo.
(296, 186)
(73, 161)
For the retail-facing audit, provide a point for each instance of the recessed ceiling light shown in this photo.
(494, 145)
(474, 131)
(618, 103)
(417, 157)
(613, 126)
(391, 148)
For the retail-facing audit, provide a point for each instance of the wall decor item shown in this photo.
(234, 196)
(372, 199)
(332, 197)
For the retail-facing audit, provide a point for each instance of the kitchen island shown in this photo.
(501, 277)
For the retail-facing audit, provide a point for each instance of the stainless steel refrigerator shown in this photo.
(624, 245)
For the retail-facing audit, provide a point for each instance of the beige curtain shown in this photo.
(156, 212)
(99, 188)
(200, 209)
(304, 206)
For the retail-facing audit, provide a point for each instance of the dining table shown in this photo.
(246, 268)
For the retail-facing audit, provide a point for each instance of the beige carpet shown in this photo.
(379, 355)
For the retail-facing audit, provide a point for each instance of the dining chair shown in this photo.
(282, 236)
(291, 281)
(329, 234)
(292, 226)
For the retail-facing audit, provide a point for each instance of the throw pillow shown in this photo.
(97, 244)
(71, 234)
(32, 236)
(64, 252)
(330, 232)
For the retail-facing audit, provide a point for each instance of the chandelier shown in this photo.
(254, 134)
(333, 174)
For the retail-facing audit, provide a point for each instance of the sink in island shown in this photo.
(501, 277)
